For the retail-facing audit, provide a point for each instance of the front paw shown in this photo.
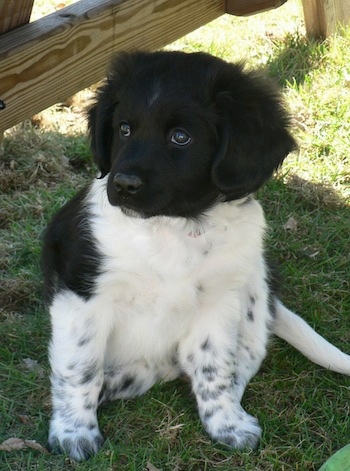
(237, 431)
(79, 444)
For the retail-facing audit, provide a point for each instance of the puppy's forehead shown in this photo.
(173, 79)
(163, 83)
(161, 95)
(154, 93)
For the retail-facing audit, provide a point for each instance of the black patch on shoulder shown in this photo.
(70, 258)
(250, 315)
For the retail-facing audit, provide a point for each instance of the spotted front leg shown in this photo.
(217, 389)
(74, 427)
(210, 357)
(76, 355)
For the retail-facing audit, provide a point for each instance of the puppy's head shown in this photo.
(178, 132)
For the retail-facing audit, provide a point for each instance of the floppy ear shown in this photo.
(100, 114)
(253, 130)
(100, 117)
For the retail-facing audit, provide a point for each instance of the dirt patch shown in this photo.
(39, 169)
(32, 157)
(17, 295)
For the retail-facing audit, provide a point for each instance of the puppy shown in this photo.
(157, 268)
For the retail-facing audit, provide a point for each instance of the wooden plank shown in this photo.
(14, 13)
(249, 7)
(46, 61)
(323, 16)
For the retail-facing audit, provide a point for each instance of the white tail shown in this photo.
(294, 330)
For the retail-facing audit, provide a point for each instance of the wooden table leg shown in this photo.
(14, 14)
(323, 16)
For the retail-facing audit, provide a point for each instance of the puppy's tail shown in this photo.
(294, 330)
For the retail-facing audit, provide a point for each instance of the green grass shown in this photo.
(304, 410)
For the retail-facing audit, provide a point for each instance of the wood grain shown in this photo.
(46, 61)
(323, 16)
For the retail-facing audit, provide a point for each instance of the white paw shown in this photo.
(79, 444)
(238, 430)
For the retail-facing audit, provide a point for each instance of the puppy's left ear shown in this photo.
(253, 130)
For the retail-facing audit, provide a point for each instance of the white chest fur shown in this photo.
(158, 274)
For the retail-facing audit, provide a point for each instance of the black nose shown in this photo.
(127, 185)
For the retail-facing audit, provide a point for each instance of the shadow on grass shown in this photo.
(307, 221)
(298, 191)
(295, 57)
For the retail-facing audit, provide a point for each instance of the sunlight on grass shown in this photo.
(45, 7)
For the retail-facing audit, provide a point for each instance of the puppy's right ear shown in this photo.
(100, 116)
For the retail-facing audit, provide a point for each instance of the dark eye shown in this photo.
(180, 137)
(125, 129)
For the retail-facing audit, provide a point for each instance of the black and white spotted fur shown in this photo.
(157, 268)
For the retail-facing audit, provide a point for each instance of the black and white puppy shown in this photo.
(157, 268)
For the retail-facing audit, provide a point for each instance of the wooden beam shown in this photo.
(323, 16)
(46, 61)
(249, 7)
(14, 13)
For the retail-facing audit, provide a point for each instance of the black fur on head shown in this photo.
(237, 125)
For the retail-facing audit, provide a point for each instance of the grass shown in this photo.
(303, 409)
